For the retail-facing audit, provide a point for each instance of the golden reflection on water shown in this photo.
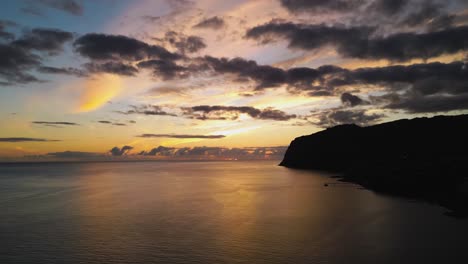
(211, 212)
(227, 212)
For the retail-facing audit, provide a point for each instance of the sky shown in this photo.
(235, 79)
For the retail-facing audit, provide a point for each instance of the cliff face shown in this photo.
(423, 158)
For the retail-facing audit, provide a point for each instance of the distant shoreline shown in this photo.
(128, 161)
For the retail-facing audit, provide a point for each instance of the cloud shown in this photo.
(117, 47)
(44, 39)
(113, 67)
(385, 14)
(25, 139)
(203, 152)
(146, 110)
(180, 136)
(55, 124)
(389, 7)
(218, 112)
(413, 103)
(159, 151)
(351, 100)
(321, 5)
(64, 71)
(116, 151)
(211, 23)
(69, 6)
(412, 74)
(357, 42)
(26, 53)
(164, 69)
(339, 117)
(184, 44)
(15, 63)
(111, 123)
(266, 76)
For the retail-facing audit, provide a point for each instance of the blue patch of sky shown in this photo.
(94, 18)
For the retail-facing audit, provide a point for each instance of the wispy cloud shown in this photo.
(25, 139)
(55, 124)
(180, 136)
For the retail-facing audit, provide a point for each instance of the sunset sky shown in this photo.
(219, 79)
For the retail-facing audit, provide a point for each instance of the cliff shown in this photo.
(423, 158)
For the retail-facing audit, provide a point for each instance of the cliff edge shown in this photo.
(422, 158)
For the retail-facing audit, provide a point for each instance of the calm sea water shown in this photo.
(211, 212)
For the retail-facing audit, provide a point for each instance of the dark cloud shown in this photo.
(117, 47)
(70, 6)
(164, 69)
(44, 40)
(267, 76)
(190, 44)
(116, 151)
(74, 155)
(389, 7)
(159, 151)
(413, 103)
(321, 5)
(15, 63)
(218, 112)
(384, 14)
(212, 23)
(55, 124)
(65, 71)
(25, 139)
(417, 88)
(406, 46)
(427, 78)
(424, 78)
(357, 42)
(113, 67)
(410, 73)
(147, 110)
(104, 122)
(339, 117)
(26, 53)
(180, 136)
(203, 152)
(351, 100)
(422, 13)
(184, 44)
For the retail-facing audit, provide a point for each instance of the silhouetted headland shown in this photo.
(422, 158)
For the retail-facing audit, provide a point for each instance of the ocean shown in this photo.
(212, 212)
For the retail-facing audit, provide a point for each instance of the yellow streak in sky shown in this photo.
(98, 91)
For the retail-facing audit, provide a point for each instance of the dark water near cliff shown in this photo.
(211, 212)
